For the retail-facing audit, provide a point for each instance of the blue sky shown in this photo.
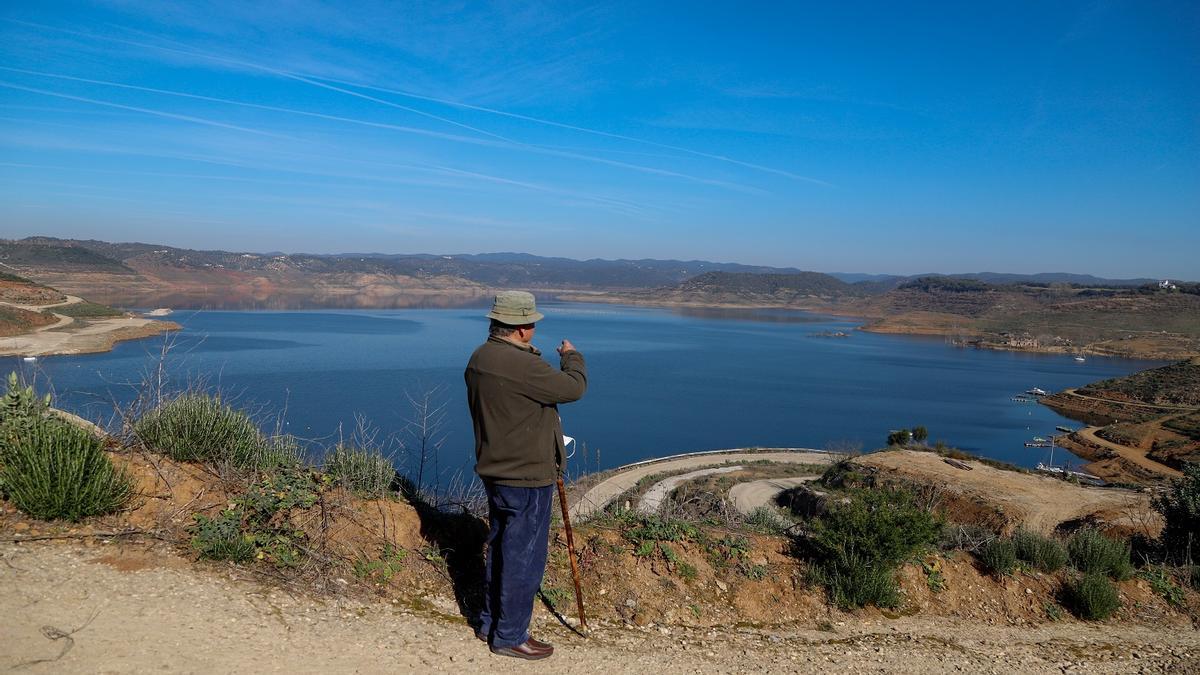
(889, 137)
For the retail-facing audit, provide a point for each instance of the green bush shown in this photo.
(1042, 553)
(221, 538)
(1092, 597)
(365, 472)
(54, 470)
(998, 557)
(1093, 553)
(854, 580)
(1180, 508)
(857, 545)
(766, 520)
(1161, 582)
(19, 409)
(196, 427)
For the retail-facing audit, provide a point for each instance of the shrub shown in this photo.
(1193, 576)
(19, 409)
(363, 471)
(1162, 583)
(1093, 553)
(884, 525)
(998, 556)
(196, 427)
(1180, 508)
(766, 520)
(857, 545)
(854, 580)
(1042, 553)
(54, 470)
(221, 538)
(1092, 597)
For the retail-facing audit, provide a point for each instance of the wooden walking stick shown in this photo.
(562, 498)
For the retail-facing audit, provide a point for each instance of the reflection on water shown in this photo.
(288, 300)
(762, 315)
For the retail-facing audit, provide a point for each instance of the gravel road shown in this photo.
(130, 611)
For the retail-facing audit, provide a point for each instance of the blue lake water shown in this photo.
(660, 382)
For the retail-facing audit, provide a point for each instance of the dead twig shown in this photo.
(88, 535)
(54, 634)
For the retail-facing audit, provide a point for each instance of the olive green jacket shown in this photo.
(513, 395)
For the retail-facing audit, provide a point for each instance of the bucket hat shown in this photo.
(515, 308)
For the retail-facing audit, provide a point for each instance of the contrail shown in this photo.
(394, 127)
(572, 127)
(267, 69)
(257, 106)
(148, 111)
(315, 82)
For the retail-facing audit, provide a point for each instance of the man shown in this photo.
(514, 395)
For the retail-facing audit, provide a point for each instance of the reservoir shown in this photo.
(661, 381)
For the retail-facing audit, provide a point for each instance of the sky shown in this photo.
(882, 137)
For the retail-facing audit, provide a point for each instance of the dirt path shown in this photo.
(747, 497)
(653, 499)
(601, 494)
(137, 612)
(1040, 502)
(1135, 404)
(1132, 454)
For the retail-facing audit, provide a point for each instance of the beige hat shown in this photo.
(515, 308)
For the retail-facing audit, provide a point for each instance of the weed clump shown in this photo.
(55, 470)
(363, 471)
(197, 427)
(1092, 597)
(1041, 553)
(998, 557)
(1093, 553)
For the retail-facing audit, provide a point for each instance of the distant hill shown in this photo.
(747, 284)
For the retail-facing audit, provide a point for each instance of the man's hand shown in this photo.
(565, 347)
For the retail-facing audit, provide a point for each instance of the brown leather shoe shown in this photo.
(539, 644)
(482, 637)
(525, 650)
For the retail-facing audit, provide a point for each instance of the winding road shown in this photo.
(756, 494)
(627, 477)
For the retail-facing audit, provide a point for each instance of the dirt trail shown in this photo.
(747, 497)
(1041, 502)
(1132, 454)
(140, 612)
(601, 494)
(1135, 404)
(653, 499)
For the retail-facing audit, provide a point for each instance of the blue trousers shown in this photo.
(516, 560)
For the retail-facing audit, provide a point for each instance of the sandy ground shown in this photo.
(1041, 502)
(1132, 454)
(747, 497)
(653, 499)
(601, 494)
(96, 336)
(129, 612)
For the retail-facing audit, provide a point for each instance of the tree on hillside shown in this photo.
(901, 437)
(919, 434)
(1180, 508)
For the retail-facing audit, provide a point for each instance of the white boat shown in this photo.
(29, 359)
(1080, 358)
(1036, 392)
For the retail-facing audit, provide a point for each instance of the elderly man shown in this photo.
(514, 395)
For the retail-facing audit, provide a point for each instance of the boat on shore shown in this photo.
(1066, 473)
(1065, 429)
(1036, 392)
